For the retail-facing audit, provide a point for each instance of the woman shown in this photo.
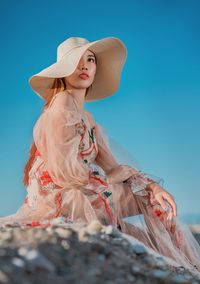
(72, 173)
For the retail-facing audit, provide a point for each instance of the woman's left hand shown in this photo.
(161, 195)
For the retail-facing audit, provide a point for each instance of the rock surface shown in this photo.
(80, 253)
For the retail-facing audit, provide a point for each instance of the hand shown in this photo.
(120, 173)
(161, 195)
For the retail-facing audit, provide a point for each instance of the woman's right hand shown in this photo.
(120, 173)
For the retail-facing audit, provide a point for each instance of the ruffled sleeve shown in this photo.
(141, 180)
(107, 160)
(57, 137)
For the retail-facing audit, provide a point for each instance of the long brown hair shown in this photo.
(59, 85)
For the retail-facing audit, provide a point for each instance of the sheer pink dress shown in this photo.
(68, 180)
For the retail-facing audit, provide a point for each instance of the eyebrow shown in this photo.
(91, 55)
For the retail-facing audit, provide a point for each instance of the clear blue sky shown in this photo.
(155, 114)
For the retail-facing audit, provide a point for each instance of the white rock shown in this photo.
(63, 233)
(37, 260)
(111, 230)
(65, 244)
(22, 251)
(18, 262)
(82, 235)
(94, 227)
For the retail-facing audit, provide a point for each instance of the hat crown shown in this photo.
(69, 44)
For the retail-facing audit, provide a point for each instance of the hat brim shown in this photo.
(111, 55)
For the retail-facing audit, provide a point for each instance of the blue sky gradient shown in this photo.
(155, 113)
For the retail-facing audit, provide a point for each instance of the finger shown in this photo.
(170, 215)
(172, 203)
(169, 220)
(159, 198)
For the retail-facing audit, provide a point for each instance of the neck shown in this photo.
(78, 95)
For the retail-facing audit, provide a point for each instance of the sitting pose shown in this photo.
(72, 172)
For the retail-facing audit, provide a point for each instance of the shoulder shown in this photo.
(62, 110)
(62, 100)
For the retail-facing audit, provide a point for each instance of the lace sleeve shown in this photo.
(58, 139)
(141, 180)
(105, 159)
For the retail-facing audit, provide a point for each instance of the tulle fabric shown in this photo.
(68, 180)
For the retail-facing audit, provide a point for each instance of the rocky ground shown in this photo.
(80, 253)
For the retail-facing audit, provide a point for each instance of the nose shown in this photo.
(83, 65)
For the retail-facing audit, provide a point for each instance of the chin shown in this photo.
(83, 86)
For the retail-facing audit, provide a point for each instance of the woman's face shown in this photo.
(87, 65)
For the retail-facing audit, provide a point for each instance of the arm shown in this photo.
(105, 159)
(144, 181)
(115, 171)
(139, 181)
(58, 140)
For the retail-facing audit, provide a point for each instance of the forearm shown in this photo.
(106, 161)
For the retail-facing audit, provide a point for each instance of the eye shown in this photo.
(91, 59)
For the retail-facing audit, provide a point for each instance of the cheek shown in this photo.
(93, 71)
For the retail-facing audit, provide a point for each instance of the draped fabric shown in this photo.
(68, 180)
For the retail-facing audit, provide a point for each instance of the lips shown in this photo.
(84, 76)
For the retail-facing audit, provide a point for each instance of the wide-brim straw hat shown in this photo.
(110, 53)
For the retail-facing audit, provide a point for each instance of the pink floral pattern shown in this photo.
(97, 182)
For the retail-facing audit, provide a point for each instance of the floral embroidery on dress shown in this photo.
(138, 184)
(46, 183)
(162, 215)
(97, 180)
(58, 202)
(87, 152)
(107, 193)
(43, 177)
(80, 127)
(92, 134)
(81, 130)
